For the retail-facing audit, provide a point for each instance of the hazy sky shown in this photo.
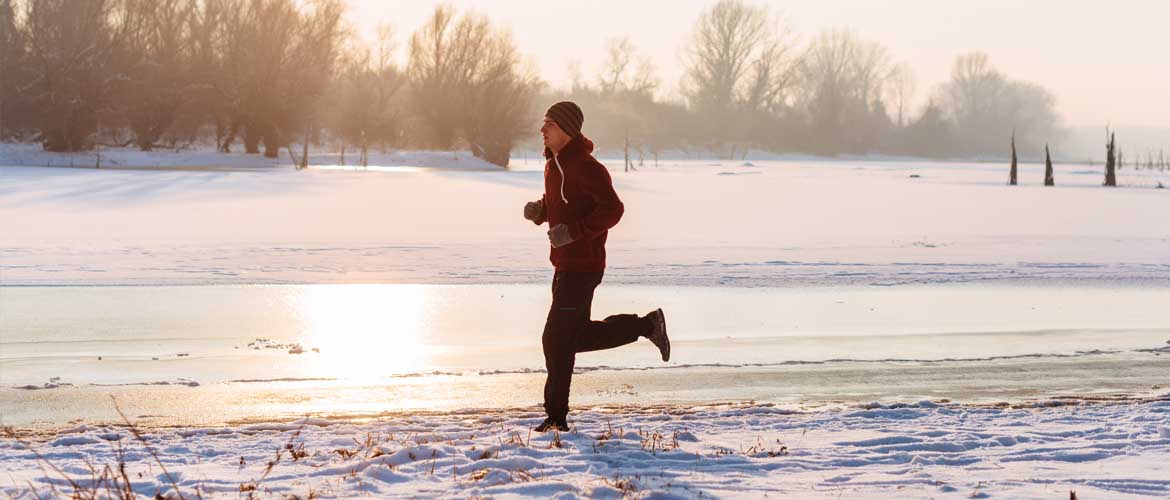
(1105, 62)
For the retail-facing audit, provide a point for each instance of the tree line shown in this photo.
(751, 82)
(256, 74)
(263, 74)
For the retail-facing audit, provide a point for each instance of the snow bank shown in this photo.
(925, 449)
(206, 158)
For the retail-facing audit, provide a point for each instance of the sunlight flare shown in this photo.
(365, 331)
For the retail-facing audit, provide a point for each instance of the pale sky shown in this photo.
(1104, 61)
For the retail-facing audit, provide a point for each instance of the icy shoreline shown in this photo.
(930, 449)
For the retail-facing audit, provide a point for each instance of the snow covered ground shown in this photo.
(206, 158)
(755, 223)
(919, 450)
(439, 218)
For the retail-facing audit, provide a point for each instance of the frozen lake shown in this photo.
(207, 354)
(790, 281)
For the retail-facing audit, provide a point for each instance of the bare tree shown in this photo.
(466, 77)
(1029, 107)
(576, 76)
(842, 78)
(159, 47)
(14, 113)
(72, 48)
(625, 70)
(725, 41)
(312, 65)
(276, 58)
(444, 59)
(981, 100)
(900, 90)
(740, 65)
(499, 102)
(364, 105)
(619, 57)
(772, 77)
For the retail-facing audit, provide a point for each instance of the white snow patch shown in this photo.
(1099, 450)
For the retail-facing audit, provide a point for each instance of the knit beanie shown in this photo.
(568, 117)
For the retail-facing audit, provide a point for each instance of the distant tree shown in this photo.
(444, 60)
(842, 78)
(972, 98)
(364, 103)
(1048, 178)
(622, 102)
(72, 53)
(900, 90)
(275, 59)
(15, 112)
(931, 135)
(1110, 159)
(499, 102)
(980, 99)
(467, 81)
(576, 76)
(1012, 175)
(158, 68)
(740, 61)
(625, 70)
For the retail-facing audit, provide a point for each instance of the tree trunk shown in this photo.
(626, 163)
(271, 143)
(305, 150)
(1049, 180)
(365, 154)
(1110, 161)
(1012, 175)
(251, 140)
(229, 138)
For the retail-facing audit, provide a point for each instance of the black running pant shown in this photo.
(569, 331)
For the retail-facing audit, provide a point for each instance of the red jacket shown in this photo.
(578, 192)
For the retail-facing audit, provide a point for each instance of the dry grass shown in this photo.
(106, 481)
(113, 480)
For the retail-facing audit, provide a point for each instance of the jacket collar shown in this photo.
(578, 146)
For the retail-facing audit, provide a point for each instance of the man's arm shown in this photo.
(597, 183)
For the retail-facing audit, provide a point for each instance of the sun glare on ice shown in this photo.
(365, 332)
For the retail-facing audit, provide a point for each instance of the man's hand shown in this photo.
(559, 236)
(533, 210)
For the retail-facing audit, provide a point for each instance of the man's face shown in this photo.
(554, 137)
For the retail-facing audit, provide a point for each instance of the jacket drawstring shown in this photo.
(558, 162)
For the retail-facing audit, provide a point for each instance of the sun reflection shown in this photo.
(365, 332)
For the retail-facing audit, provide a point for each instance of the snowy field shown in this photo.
(919, 450)
(796, 226)
(687, 222)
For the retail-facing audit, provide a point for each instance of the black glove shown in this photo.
(534, 210)
(559, 236)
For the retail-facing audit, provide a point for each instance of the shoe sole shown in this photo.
(665, 337)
